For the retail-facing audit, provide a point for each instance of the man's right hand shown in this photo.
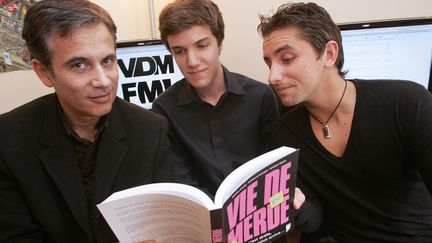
(299, 198)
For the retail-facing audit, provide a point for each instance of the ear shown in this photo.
(42, 72)
(331, 53)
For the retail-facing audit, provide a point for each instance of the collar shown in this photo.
(187, 93)
(100, 126)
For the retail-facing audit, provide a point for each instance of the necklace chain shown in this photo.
(325, 128)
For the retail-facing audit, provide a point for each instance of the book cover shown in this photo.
(260, 210)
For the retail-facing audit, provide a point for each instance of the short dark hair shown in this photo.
(313, 21)
(61, 17)
(183, 14)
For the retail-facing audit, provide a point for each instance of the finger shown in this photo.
(299, 198)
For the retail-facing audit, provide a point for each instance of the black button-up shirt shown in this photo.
(209, 142)
(85, 153)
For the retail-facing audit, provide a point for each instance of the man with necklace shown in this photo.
(365, 145)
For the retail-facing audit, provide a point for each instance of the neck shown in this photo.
(86, 128)
(212, 93)
(327, 97)
(212, 98)
(324, 122)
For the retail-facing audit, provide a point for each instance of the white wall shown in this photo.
(242, 46)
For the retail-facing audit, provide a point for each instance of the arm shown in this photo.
(16, 221)
(269, 113)
(309, 212)
(417, 121)
(184, 172)
(164, 167)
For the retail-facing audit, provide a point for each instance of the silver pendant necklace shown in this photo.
(325, 127)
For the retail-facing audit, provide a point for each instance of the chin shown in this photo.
(101, 111)
(288, 101)
(199, 84)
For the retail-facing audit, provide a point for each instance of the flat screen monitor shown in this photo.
(391, 49)
(146, 69)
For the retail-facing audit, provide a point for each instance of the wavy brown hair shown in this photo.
(183, 14)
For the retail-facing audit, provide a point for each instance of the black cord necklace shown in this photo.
(325, 128)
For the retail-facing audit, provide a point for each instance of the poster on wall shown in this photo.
(13, 52)
(146, 69)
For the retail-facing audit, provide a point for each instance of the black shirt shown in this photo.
(209, 141)
(85, 153)
(380, 189)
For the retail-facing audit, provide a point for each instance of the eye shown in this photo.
(178, 51)
(109, 61)
(79, 66)
(287, 59)
(202, 46)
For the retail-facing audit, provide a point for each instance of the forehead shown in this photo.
(282, 36)
(189, 35)
(282, 39)
(84, 40)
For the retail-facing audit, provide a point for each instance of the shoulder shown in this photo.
(23, 124)
(171, 93)
(401, 96)
(27, 113)
(387, 87)
(251, 87)
(291, 126)
(292, 119)
(249, 83)
(133, 114)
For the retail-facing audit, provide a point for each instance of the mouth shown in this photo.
(196, 72)
(101, 99)
(281, 88)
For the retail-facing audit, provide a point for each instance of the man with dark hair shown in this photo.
(366, 145)
(218, 119)
(65, 152)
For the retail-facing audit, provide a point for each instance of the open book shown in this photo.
(253, 204)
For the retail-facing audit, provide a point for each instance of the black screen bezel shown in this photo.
(390, 23)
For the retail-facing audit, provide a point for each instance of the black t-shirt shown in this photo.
(380, 189)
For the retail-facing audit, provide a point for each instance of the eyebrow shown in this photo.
(198, 41)
(283, 48)
(85, 59)
(280, 49)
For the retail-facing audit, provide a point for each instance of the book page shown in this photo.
(181, 190)
(152, 212)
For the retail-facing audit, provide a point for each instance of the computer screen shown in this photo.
(391, 49)
(146, 69)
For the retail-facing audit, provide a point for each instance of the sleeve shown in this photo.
(184, 169)
(310, 215)
(270, 113)
(16, 221)
(164, 167)
(417, 125)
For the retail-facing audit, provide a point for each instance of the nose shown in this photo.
(275, 74)
(192, 58)
(101, 78)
